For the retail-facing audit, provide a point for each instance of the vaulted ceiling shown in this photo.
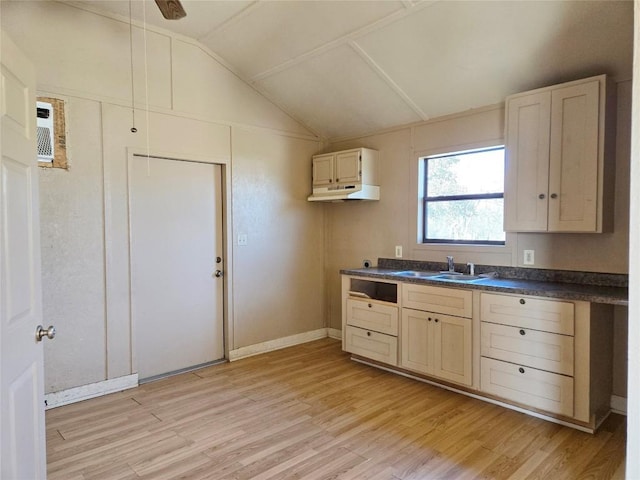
(345, 68)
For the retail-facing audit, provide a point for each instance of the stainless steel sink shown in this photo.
(459, 277)
(416, 273)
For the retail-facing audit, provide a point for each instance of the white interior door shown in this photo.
(176, 237)
(22, 439)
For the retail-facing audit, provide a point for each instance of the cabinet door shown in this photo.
(574, 154)
(323, 170)
(348, 167)
(527, 163)
(452, 349)
(416, 333)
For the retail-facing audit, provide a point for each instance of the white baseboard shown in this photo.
(85, 392)
(334, 333)
(277, 344)
(618, 404)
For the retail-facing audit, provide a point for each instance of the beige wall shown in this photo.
(278, 278)
(368, 230)
(372, 229)
(199, 110)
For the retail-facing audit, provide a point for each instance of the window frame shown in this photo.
(426, 200)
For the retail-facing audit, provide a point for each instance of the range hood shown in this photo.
(345, 192)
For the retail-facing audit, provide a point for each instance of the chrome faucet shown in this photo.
(450, 265)
(472, 269)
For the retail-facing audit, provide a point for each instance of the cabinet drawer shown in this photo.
(450, 301)
(374, 345)
(372, 316)
(544, 315)
(546, 351)
(527, 386)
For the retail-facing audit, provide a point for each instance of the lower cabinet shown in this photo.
(549, 356)
(437, 345)
(370, 319)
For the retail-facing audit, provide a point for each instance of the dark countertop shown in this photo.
(613, 295)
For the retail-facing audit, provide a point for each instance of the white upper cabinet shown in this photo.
(345, 175)
(555, 159)
(347, 167)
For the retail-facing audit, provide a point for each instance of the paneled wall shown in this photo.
(198, 110)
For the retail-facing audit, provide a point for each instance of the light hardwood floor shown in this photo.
(309, 412)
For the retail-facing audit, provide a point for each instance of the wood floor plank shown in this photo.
(309, 412)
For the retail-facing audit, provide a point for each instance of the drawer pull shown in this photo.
(522, 301)
(436, 320)
(522, 332)
(370, 305)
(521, 370)
(368, 334)
(429, 319)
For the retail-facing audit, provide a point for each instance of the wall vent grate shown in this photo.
(45, 132)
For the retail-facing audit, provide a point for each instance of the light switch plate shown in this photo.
(398, 251)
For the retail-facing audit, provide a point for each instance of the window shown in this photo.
(463, 197)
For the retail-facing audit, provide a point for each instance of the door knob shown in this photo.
(50, 333)
(218, 273)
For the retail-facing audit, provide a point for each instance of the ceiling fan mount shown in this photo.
(171, 9)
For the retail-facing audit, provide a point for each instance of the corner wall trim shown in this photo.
(277, 344)
(618, 404)
(85, 392)
(334, 333)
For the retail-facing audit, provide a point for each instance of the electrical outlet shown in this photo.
(398, 251)
(242, 239)
(529, 257)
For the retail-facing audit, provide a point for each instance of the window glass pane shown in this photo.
(470, 220)
(466, 173)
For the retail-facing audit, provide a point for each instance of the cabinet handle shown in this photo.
(330, 180)
(554, 195)
(370, 305)
(521, 370)
(368, 334)
(522, 301)
(436, 320)
(541, 196)
(337, 179)
(522, 332)
(429, 318)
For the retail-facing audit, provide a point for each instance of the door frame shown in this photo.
(227, 244)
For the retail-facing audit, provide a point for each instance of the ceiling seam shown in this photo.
(173, 36)
(343, 40)
(388, 80)
(232, 19)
